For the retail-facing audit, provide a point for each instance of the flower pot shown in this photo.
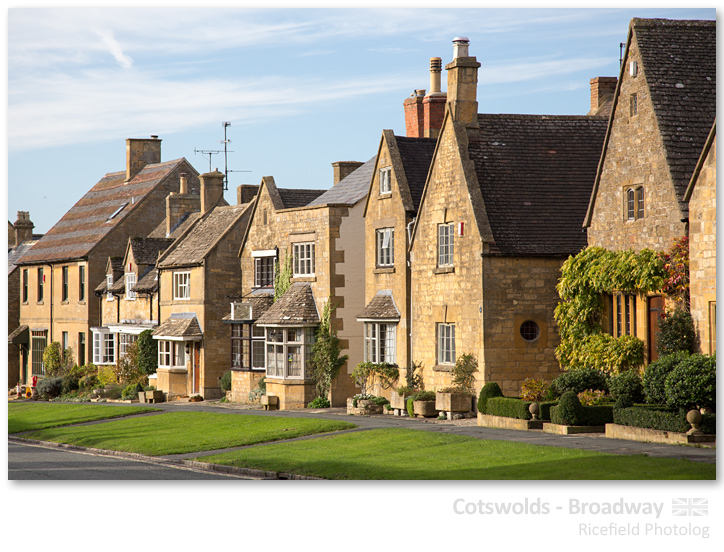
(424, 408)
(398, 400)
(453, 402)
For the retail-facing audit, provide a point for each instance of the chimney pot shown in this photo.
(183, 184)
(435, 70)
(23, 228)
(461, 46)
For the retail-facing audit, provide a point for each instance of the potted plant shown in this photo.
(423, 404)
(459, 397)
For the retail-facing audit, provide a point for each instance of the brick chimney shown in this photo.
(178, 205)
(246, 193)
(414, 114)
(602, 91)
(343, 168)
(212, 190)
(462, 85)
(434, 103)
(141, 152)
(23, 228)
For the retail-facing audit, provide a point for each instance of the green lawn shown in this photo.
(32, 416)
(181, 432)
(412, 454)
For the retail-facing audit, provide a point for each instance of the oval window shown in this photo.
(529, 330)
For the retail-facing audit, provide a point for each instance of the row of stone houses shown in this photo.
(449, 240)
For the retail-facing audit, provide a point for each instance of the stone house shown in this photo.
(75, 251)
(701, 198)
(196, 276)
(20, 240)
(320, 233)
(663, 109)
(500, 212)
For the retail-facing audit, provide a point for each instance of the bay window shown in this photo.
(380, 342)
(288, 352)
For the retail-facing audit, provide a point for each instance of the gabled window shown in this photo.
(385, 247)
(182, 285)
(445, 244)
(385, 180)
(41, 279)
(303, 264)
(109, 285)
(25, 285)
(81, 283)
(380, 342)
(446, 343)
(64, 283)
(130, 282)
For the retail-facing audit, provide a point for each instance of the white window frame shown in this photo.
(385, 180)
(381, 342)
(130, 282)
(303, 259)
(258, 260)
(124, 340)
(278, 360)
(182, 285)
(385, 239)
(109, 285)
(445, 343)
(165, 353)
(104, 347)
(446, 244)
(179, 354)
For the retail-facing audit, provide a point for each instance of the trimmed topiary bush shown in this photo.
(655, 375)
(510, 407)
(581, 380)
(225, 381)
(49, 388)
(489, 391)
(676, 333)
(627, 384)
(692, 384)
(661, 419)
(569, 410)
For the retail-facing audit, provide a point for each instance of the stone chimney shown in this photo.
(434, 103)
(246, 193)
(602, 91)
(212, 190)
(141, 152)
(179, 205)
(23, 228)
(343, 168)
(462, 85)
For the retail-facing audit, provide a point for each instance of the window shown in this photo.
(445, 244)
(385, 247)
(303, 259)
(81, 349)
(104, 347)
(633, 105)
(81, 283)
(39, 342)
(385, 180)
(380, 342)
(446, 343)
(109, 285)
(529, 330)
(41, 280)
(288, 351)
(64, 341)
(25, 285)
(181, 285)
(631, 204)
(264, 271)
(124, 341)
(64, 284)
(179, 357)
(247, 347)
(640, 193)
(621, 314)
(130, 282)
(164, 353)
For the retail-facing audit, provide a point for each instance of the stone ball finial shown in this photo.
(534, 410)
(694, 418)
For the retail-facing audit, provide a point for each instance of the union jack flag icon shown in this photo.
(690, 506)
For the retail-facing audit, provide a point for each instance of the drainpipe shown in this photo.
(51, 303)
(408, 286)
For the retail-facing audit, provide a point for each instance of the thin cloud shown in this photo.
(114, 48)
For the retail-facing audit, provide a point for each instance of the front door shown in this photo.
(197, 377)
(656, 309)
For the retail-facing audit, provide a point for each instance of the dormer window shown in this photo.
(109, 285)
(130, 282)
(385, 181)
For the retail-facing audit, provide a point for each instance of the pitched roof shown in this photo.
(100, 210)
(293, 198)
(416, 156)
(176, 231)
(702, 158)
(260, 303)
(15, 254)
(148, 282)
(535, 174)
(193, 247)
(679, 61)
(381, 306)
(145, 250)
(296, 306)
(350, 189)
(180, 324)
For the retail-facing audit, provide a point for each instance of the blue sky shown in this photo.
(301, 88)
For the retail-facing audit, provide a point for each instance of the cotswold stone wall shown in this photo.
(635, 157)
(702, 253)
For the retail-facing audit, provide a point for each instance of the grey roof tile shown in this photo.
(180, 325)
(296, 306)
(381, 306)
(416, 156)
(351, 189)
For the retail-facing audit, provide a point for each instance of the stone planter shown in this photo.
(269, 402)
(425, 408)
(398, 401)
(364, 408)
(453, 402)
(153, 396)
(142, 396)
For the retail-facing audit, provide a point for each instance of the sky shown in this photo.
(302, 88)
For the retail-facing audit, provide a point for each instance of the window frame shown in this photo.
(380, 348)
(385, 256)
(281, 352)
(182, 281)
(307, 262)
(264, 275)
(40, 294)
(446, 244)
(38, 344)
(385, 180)
(25, 288)
(246, 339)
(124, 341)
(64, 284)
(109, 285)
(446, 343)
(130, 281)
(104, 347)
(81, 283)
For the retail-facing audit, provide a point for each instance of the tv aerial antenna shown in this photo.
(209, 153)
(226, 141)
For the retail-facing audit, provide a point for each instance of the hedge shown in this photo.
(510, 407)
(596, 415)
(661, 419)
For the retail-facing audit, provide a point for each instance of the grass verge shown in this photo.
(34, 416)
(404, 454)
(183, 432)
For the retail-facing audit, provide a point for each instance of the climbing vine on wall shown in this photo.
(676, 265)
(584, 280)
(282, 277)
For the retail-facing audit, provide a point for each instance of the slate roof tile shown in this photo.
(416, 156)
(350, 189)
(146, 250)
(293, 198)
(296, 306)
(183, 324)
(381, 307)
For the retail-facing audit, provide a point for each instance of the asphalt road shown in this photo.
(31, 462)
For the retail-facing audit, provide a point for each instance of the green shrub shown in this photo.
(581, 380)
(380, 401)
(627, 383)
(71, 382)
(508, 407)
(225, 381)
(692, 384)
(661, 419)
(147, 359)
(131, 391)
(410, 407)
(50, 387)
(655, 374)
(534, 390)
(589, 397)
(413, 377)
(423, 396)
(113, 391)
(676, 333)
(463, 373)
(88, 382)
(319, 402)
(597, 415)
(569, 410)
(488, 391)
